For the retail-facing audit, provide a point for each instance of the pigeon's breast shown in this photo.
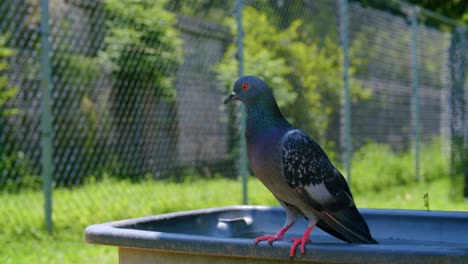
(264, 155)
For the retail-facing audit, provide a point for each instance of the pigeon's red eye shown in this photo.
(245, 86)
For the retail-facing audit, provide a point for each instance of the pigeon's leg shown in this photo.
(291, 216)
(277, 236)
(302, 240)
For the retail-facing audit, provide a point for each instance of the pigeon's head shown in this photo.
(250, 90)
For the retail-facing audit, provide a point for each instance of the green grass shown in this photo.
(412, 197)
(22, 239)
(377, 167)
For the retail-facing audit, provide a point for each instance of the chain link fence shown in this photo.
(136, 91)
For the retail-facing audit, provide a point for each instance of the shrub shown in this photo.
(16, 173)
(376, 167)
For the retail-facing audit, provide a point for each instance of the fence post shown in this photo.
(463, 32)
(458, 157)
(243, 166)
(46, 114)
(344, 36)
(415, 90)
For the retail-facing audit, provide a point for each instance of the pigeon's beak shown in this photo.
(231, 97)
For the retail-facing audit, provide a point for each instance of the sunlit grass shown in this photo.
(412, 197)
(22, 239)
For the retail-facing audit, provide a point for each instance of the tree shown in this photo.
(455, 9)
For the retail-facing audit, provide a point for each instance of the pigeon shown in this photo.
(296, 171)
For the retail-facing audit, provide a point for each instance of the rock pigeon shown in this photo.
(296, 170)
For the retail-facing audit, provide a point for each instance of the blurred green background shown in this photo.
(113, 109)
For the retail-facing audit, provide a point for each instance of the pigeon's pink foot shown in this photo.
(270, 239)
(302, 240)
(277, 236)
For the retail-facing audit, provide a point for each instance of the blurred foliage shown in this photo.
(143, 50)
(75, 73)
(387, 53)
(455, 9)
(211, 10)
(134, 46)
(14, 165)
(136, 50)
(293, 64)
(142, 44)
(6, 90)
(318, 71)
(263, 44)
(376, 167)
(20, 176)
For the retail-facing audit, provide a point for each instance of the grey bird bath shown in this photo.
(226, 234)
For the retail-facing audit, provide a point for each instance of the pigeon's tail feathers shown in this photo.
(346, 224)
(341, 220)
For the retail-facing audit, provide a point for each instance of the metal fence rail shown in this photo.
(133, 89)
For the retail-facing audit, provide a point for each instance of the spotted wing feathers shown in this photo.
(313, 177)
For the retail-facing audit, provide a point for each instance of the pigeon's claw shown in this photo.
(298, 241)
(302, 240)
(270, 239)
(277, 236)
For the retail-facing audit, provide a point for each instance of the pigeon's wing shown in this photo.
(310, 173)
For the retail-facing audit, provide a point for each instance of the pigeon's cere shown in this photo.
(296, 170)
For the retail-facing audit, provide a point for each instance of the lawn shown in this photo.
(23, 240)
